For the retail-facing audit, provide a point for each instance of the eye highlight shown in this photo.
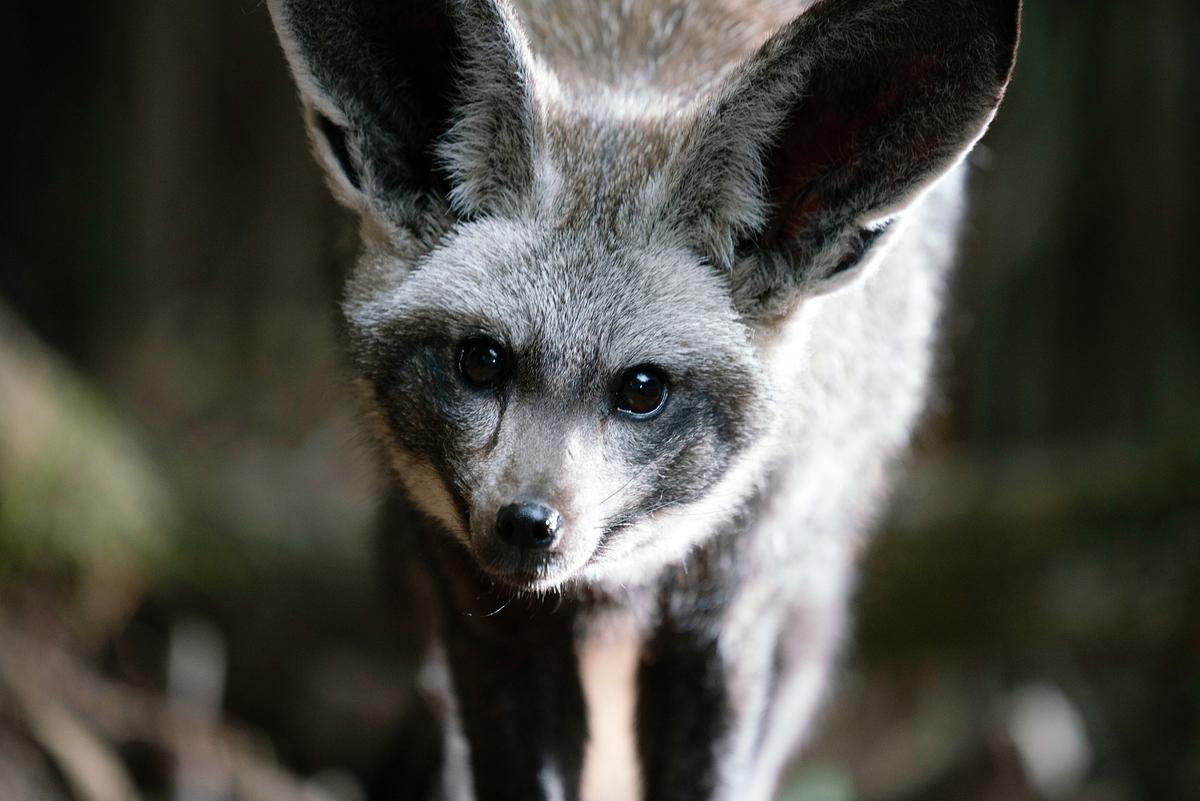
(642, 392)
(482, 362)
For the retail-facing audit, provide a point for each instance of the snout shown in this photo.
(528, 526)
(534, 519)
(529, 543)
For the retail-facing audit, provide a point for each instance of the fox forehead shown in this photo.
(582, 300)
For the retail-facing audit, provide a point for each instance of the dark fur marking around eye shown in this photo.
(494, 437)
(681, 460)
(336, 138)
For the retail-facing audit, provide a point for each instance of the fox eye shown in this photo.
(642, 392)
(483, 362)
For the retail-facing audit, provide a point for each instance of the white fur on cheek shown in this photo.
(666, 536)
(427, 491)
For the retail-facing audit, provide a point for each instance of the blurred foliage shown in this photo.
(177, 441)
(84, 496)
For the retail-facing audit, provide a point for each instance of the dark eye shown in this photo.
(483, 362)
(642, 392)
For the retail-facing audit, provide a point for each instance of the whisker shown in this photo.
(499, 609)
(618, 490)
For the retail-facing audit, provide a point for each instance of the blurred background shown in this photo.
(188, 603)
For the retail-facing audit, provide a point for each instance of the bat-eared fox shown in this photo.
(642, 318)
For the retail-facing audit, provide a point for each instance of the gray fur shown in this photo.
(760, 200)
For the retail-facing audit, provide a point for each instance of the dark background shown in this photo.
(183, 483)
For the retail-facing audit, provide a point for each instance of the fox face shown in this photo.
(546, 396)
(564, 311)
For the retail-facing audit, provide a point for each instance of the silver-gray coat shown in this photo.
(746, 209)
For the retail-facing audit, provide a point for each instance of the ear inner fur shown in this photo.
(837, 123)
(433, 98)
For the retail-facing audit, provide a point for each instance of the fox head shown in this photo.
(567, 288)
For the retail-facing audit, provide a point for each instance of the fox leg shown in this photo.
(724, 701)
(516, 689)
(522, 712)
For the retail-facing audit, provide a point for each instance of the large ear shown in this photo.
(413, 102)
(839, 121)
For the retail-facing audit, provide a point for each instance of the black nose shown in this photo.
(528, 525)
